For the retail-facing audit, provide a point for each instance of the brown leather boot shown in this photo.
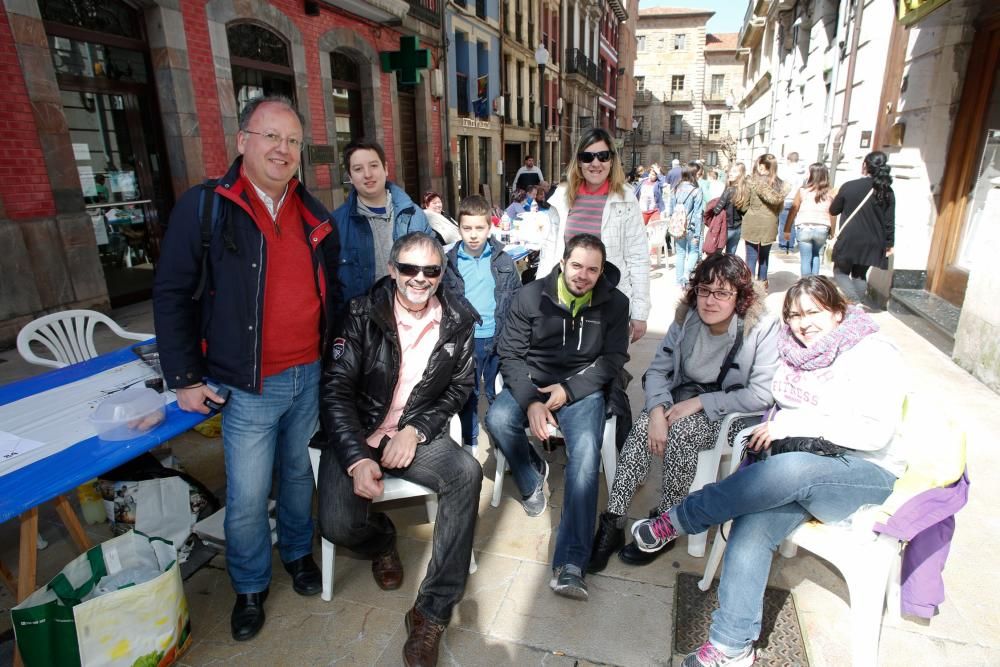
(421, 647)
(388, 570)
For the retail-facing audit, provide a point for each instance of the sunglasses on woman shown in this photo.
(411, 270)
(587, 157)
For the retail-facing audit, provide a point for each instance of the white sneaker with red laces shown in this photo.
(709, 656)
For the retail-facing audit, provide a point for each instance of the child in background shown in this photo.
(479, 268)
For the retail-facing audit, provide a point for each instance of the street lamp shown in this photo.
(635, 130)
(542, 58)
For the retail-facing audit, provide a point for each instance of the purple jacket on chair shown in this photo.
(927, 523)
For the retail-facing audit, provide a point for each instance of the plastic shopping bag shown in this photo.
(121, 603)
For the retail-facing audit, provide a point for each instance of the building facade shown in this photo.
(473, 67)
(686, 82)
(835, 80)
(121, 107)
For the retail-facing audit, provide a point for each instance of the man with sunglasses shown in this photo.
(244, 295)
(565, 342)
(400, 372)
(376, 213)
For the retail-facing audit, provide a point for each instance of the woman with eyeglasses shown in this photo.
(718, 357)
(596, 201)
(760, 222)
(838, 381)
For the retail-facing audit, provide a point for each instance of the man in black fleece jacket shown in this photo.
(564, 343)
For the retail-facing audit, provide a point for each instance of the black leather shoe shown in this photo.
(248, 615)
(609, 539)
(306, 577)
(632, 555)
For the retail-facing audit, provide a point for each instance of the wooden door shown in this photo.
(409, 155)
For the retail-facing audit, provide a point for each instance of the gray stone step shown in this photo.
(928, 314)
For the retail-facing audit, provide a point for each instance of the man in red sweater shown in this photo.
(256, 329)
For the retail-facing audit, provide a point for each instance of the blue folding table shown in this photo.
(23, 489)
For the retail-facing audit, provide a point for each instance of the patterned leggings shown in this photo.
(686, 438)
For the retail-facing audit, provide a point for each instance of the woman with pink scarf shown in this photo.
(839, 392)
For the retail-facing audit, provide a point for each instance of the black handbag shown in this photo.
(686, 390)
(820, 446)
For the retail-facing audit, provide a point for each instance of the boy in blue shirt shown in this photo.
(479, 268)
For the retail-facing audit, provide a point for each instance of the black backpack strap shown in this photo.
(207, 215)
(737, 344)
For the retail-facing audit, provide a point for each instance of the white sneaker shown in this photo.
(709, 656)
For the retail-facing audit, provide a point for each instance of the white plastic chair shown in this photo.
(708, 472)
(68, 336)
(869, 562)
(609, 452)
(393, 489)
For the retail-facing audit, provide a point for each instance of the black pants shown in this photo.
(346, 519)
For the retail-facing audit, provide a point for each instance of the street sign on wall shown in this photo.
(912, 11)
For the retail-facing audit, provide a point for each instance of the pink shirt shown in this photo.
(417, 338)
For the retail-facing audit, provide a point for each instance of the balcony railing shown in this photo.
(577, 62)
(641, 136)
(462, 81)
(679, 137)
(714, 97)
(678, 96)
(714, 135)
(426, 11)
(643, 97)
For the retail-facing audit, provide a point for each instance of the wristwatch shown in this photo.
(421, 438)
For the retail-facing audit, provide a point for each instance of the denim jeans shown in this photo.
(851, 279)
(688, 252)
(812, 239)
(346, 519)
(259, 432)
(485, 371)
(733, 235)
(767, 501)
(782, 218)
(582, 426)
(757, 255)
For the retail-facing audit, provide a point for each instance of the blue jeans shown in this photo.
(811, 241)
(582, 425)
(486, 368)
(782, 218)
(733, 240)
(767, 501)
(260, 431)
(688, 252)
(757, 256)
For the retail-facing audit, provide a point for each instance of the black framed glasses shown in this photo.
(587, 157)
(717, 294)
(411, 270)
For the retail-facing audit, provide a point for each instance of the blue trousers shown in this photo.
(261, 432)
(486, 364)
(766, 502)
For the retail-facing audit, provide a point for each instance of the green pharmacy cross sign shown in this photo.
(408, 61)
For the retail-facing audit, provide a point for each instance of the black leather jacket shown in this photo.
(362, 369)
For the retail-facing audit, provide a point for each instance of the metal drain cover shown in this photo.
(780, 643)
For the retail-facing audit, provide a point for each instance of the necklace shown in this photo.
(410, 310)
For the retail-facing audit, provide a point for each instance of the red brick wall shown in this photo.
(24, 182)
(312, 28)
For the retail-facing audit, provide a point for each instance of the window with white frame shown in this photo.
(680, 42)
(677, 82)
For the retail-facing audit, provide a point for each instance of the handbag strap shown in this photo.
(737, 344)
(70, 595)
(855, 211)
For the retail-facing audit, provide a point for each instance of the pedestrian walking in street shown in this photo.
(687, 196)
(867, 230)
(721, 323)
(810, 218)
(793, 174)
(839, 377)
(760, 222)
(596, 201)
(734, 201)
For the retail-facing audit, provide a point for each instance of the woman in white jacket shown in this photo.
(596, 201)
(839, 388)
